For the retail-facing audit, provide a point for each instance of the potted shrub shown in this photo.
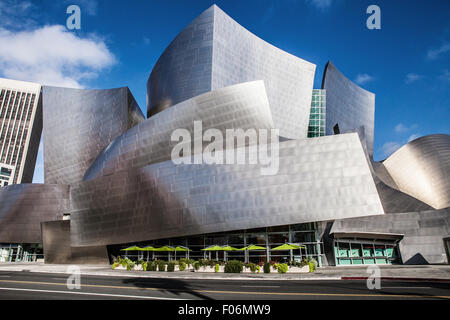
(233, 266)
(282, 268)
(171, 266)
(267, 267)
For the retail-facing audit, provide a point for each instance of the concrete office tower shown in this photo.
(20, 130)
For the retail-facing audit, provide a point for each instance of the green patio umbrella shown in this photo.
(288, 246)
(149, 248)
(251, 247)
(133, 248)
(226, 249)
(182, 249)
(166, 249)
(214, 248)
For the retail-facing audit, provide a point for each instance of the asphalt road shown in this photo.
(46, 286)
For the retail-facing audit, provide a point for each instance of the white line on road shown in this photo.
(92, 294)
(260, 286)
(406, 287)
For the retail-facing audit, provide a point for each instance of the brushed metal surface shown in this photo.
(79, 124)
(319, 179)
(421, 169)
(58, 249)
(24, 206)
(243, 106)
(349, 106)
(214, 52)
(423, 232)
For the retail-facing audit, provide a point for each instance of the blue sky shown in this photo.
(406, 63)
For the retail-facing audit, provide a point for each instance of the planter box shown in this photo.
(304, 269)
(119, 267)
(206, 269)
(247, 270)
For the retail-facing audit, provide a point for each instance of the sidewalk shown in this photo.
(411, 273)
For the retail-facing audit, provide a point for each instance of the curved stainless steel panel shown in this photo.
(24, 206)
(349, 106)
(421, 169)
(243, 106)
(58, 249)
(318, 179)
(214, 52)
(78, 124)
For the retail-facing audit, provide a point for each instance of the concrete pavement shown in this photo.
(51, 286)
(401, 272)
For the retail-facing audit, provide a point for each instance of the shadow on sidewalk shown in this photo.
(173, 286)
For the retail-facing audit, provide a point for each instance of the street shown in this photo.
(48, 286)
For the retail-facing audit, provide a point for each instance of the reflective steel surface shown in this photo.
(421, 169)
(58, 249)
(423, 232)
(243, 106)
(214, 52)
(318, 179)
(349, 106)
(79, 124)
(24, 206)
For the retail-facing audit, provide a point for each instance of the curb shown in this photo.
(399, 279)
(199, 277)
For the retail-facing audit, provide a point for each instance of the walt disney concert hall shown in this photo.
(110, 181)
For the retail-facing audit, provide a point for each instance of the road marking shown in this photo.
(406, 288)
(91, 294)
(260, 286)
(237, 292)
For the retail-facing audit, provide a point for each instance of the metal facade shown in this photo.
(318, 179)
(428, 158)
(24, 206)
(349, 106)
(79, 124)
(423, 232)
(243, 106)
(214, 52)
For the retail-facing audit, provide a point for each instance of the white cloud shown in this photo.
(146, 41)
(445, 76)
(433, 54)
(52, 55)
(401, 128)
(320, 4)
(16, 14)
(389, 148)
(412, 77)
(363, 78)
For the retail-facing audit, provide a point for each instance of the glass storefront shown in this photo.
(363, 252)
(305, 234)
(20, 252)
